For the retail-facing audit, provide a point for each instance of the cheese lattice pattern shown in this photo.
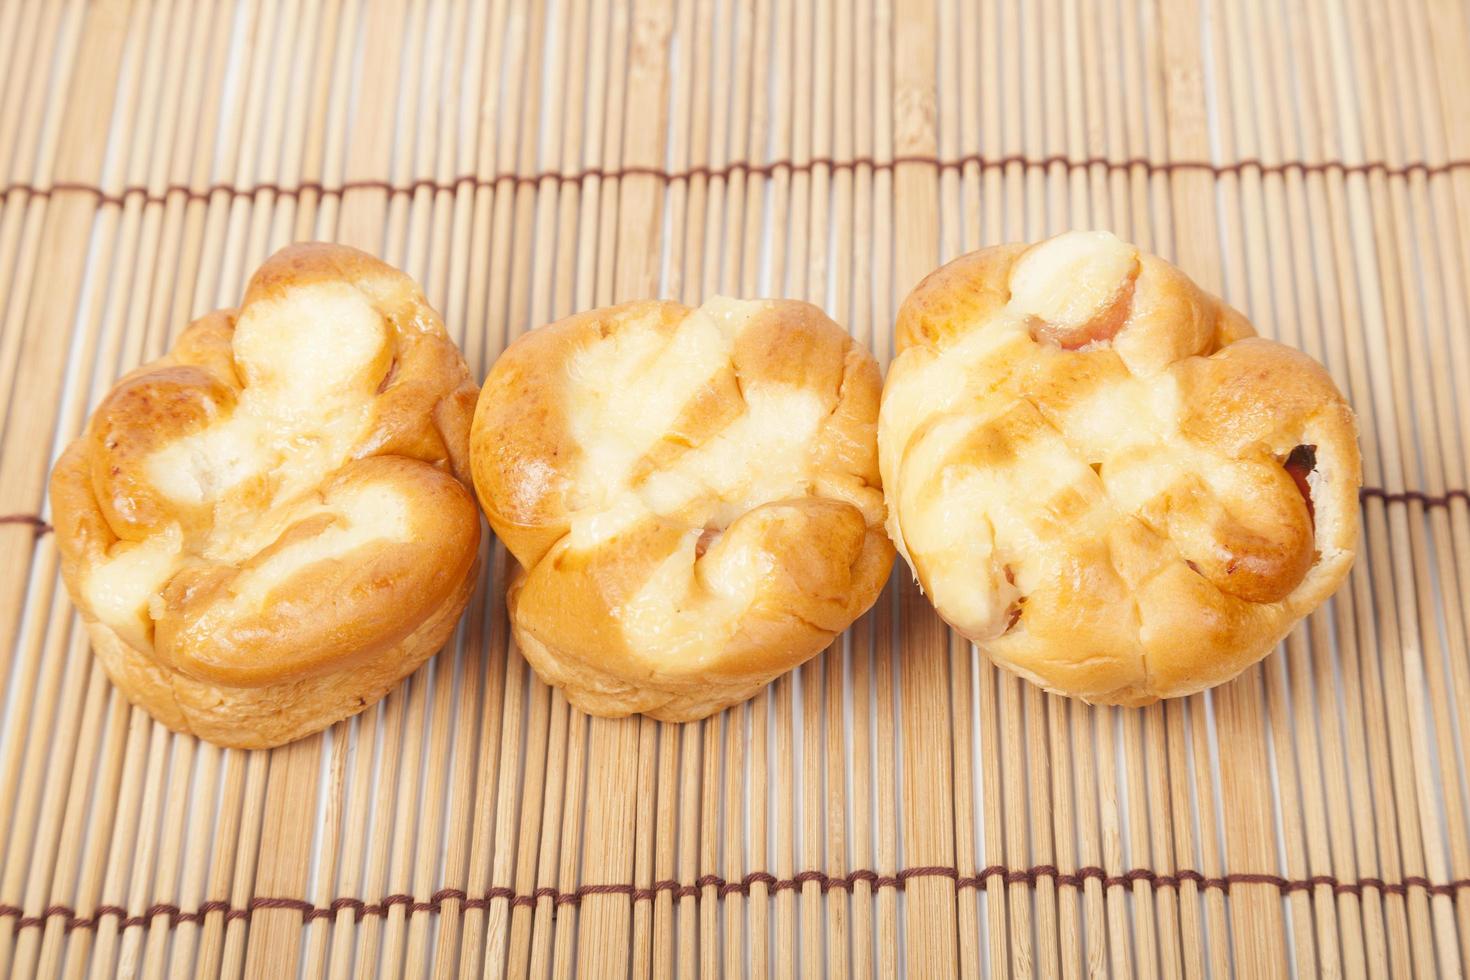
(692, 495)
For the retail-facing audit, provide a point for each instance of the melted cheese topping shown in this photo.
(972, 521)
(1069, 280)
(362, 516)
(121, 589)
(312, 361)
(1031, 456)
(626, 388)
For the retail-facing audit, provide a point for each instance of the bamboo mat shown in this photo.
(897, 803)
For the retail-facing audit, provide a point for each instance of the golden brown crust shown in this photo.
(1102, 478)
(693, 496)
(269, 527)
(267, 715)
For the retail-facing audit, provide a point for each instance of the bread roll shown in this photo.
(1101, 477)
(692, 496)
(268, 528)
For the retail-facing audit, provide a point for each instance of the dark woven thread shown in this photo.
(714, 886)
(37, 524)
(1417, 496)
(146, 195)
(1366, 493)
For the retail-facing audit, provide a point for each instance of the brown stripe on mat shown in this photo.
(723, 888)
(1366, 493)
(37, 523)
(747, 167)
(1418, 496)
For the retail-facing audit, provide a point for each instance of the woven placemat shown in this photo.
(897, 803)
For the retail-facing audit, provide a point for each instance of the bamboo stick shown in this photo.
(42, 639)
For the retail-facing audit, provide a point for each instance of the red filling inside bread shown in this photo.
(1299, 464)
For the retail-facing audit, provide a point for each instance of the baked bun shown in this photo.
(271, 526)
(692, 495)
(1102, 478)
